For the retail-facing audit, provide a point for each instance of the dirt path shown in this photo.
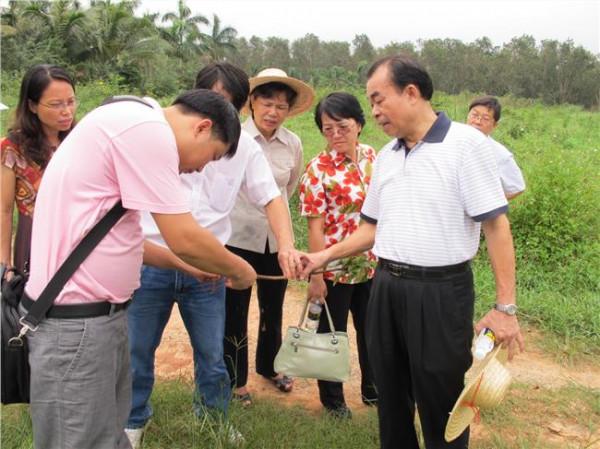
(174, 358)
(535, 368)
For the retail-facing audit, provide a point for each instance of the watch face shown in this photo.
(509, 309)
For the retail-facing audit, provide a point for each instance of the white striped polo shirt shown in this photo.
(429, 203)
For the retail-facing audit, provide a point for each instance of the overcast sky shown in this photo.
(404, 20)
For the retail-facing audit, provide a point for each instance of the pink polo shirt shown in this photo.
(124, 151)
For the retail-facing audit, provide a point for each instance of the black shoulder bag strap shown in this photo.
(38, 310)
(118, 98)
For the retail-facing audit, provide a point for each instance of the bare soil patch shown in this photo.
(174, 358)
(534, 368)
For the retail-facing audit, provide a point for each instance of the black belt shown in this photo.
(89, 310)
(405, 270)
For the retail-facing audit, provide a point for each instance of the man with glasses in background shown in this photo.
(484, 114)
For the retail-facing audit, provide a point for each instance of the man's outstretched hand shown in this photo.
(311, 262)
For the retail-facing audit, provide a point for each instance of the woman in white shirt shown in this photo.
(274, 96)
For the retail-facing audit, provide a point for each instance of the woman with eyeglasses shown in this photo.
(44, 116)
(332, 191)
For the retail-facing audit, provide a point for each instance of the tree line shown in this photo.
(161, 53)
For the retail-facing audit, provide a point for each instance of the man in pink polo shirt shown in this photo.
(133, 152)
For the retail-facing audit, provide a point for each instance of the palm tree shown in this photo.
(10, 18)
(63, 21)
(120, 43)
(183, 30)
(216, 44)
(116, 30)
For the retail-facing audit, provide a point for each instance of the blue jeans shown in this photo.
(202, 308)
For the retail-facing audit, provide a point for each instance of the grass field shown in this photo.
(556, 225)
(529, 418)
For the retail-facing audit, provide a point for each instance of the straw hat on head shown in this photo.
(486, 384)
(305, 93)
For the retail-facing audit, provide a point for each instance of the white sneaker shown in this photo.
(135, 437)
(234, 436)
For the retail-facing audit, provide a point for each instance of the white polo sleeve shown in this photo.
(481, 191)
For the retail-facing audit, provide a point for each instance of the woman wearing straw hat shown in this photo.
(274, 96)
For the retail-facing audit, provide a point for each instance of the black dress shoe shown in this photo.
(341, 412)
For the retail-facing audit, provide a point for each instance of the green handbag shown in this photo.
(316, 356)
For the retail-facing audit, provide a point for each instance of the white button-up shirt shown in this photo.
(510, 173)
(213, 191)
(284, 153)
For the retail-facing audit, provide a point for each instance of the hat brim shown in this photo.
(305, 93)
(463, 414)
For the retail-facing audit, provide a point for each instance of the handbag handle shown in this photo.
(305, 311)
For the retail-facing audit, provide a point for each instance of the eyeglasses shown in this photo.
(343, 127)
(59, 105)
(480, 117)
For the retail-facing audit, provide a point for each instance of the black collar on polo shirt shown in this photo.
(436, 134)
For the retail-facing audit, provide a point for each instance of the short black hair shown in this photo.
(226, 121)
(489, 102)
(274, 88)
(338, 106)
(404, 71)
(234, 80)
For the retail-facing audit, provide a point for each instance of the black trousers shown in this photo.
(270, 301)
(419, 334)
(341, 299)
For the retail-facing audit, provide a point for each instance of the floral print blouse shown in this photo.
(28, 174)
(334, 187)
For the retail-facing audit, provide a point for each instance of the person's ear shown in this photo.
(412, 93)
(203, 126)
(33, 106)
(251, 99)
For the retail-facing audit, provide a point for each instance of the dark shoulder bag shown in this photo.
(15, 352)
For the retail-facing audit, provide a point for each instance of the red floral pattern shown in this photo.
(28, 175)
(334, 187)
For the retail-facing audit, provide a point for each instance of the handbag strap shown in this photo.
(40, 307)
(305, 311)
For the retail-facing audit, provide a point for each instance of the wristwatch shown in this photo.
(509, 309)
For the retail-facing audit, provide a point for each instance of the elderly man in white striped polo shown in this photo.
(433, 188)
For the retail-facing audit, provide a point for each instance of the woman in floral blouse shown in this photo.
(44, 116)
(332, 191)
